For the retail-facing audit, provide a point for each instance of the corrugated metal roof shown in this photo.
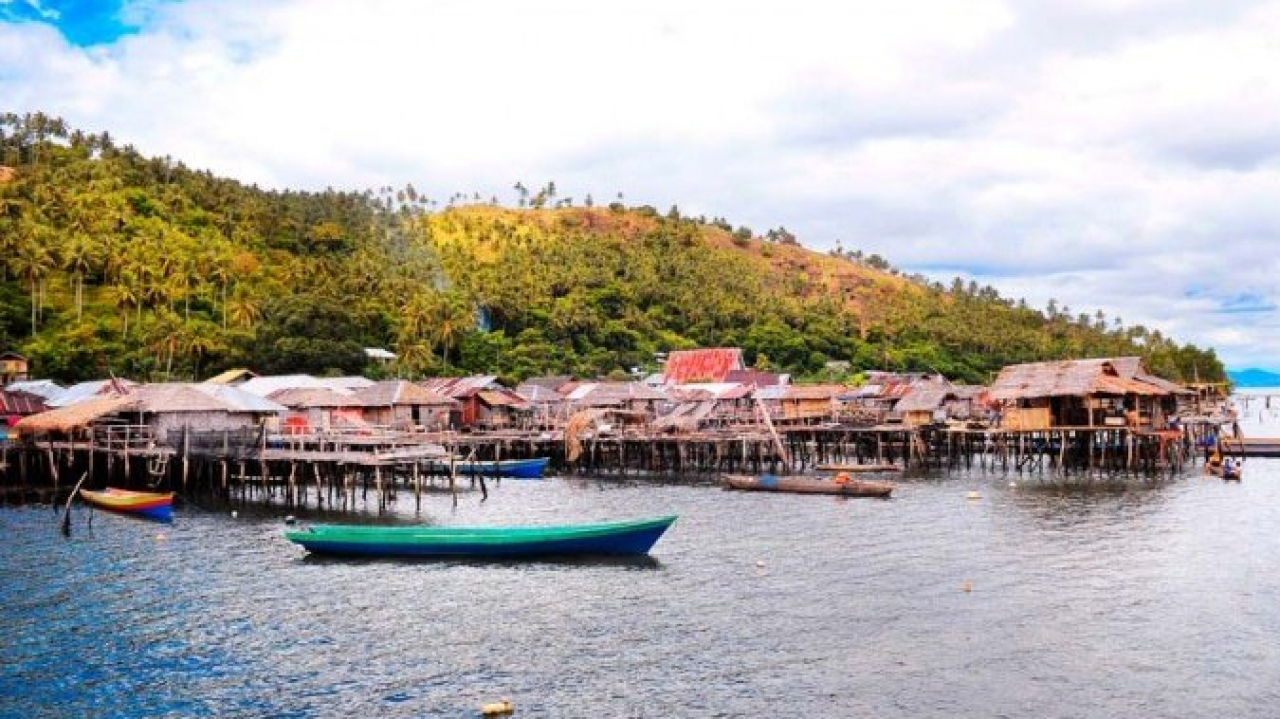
(756, 377)
(703, 365)
(812, 391)
(345, 385)
(712, 390)
(266, 385)
(502, 398)
(86, 390)
(21, 403)
(239, 400)
(230, 376)
(459, 387)
(43, 388)
(614, 392)
(538, 394)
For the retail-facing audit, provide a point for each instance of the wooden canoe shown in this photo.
(1224, 470)
(153, 505)
(807, 485)
(513, 468)
(630, 538)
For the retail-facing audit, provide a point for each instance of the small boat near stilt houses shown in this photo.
(627, 538)
(797, 484)
(152, 505)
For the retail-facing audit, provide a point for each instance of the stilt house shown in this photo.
(1084, 393)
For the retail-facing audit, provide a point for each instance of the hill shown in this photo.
(142, 265)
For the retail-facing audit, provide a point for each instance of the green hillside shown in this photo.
(154, 270)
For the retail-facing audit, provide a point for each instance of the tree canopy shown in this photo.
(155, 270)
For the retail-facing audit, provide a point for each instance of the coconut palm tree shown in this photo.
(33, 262)
(80, 255)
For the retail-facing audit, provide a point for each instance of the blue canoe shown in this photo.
(630, 538)
(514, 468)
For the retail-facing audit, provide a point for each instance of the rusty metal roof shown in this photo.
(704, 365)
(459, 387)
(20, 403)
(502, 398)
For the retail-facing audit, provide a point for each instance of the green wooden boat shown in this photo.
(629, 538)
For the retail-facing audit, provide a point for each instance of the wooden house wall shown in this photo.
(408, 416)
(165, 425)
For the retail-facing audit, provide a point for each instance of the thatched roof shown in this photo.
(312, 398)
(392, 393)
(76, 416)
(1075, 378)
(924, 398)
(930, 395)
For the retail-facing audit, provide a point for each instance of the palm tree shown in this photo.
(33, 262)
(79, 256)
(243, 309)
(124, 297)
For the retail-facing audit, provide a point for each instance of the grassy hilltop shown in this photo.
(140, 264)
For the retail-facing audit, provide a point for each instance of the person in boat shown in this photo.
(1215, 462)
(842, 478)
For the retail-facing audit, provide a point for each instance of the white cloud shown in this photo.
(1114, 154)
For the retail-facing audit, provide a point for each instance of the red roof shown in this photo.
(709, 365)
(20, 403)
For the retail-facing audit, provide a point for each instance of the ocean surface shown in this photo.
(1107, 599)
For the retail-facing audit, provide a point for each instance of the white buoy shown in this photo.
(234, 514)
(973, 495)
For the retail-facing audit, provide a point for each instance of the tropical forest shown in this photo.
(115, 262)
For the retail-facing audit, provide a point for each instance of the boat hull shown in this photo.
(633, 538)
(157, 506)
(513, 468)
(807, 485)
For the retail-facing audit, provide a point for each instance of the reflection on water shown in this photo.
(1036, 599)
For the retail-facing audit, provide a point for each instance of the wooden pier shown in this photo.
(341, 470)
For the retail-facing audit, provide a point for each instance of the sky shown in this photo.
(1114, 155)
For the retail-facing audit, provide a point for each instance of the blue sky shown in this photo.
(82, 23)
(1121, 155)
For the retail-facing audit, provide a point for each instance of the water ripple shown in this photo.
(1138, 599)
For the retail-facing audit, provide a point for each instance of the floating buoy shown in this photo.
(973, 495)
(234, 514)
(493, 709)
(290, 520)
(1013, 484)
(760, 563)
(160, 538)
(966, 586)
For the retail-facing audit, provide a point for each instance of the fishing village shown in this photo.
(339, 442)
